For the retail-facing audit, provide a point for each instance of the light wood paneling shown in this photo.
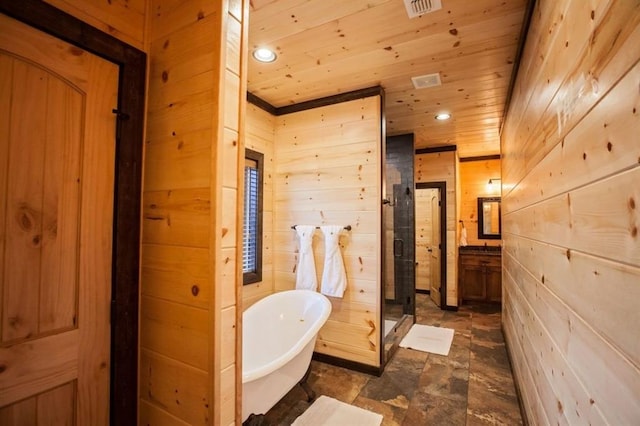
(191, 209)
(176, 217)
(572, 79)
(178, 162)
(176, 273)
(600, 145)
(152, 414)
(441, 167)
(170, 15)
(260, 137)
(327, 171)
(571, 264)
(178, 389)
(228, 402)
(588, 275)
(474, 183)
(123, 19)
(332, 46)
(175, 330)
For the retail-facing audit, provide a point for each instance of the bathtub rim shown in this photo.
(268, 368)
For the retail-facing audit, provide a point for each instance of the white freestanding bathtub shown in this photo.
(278, 336)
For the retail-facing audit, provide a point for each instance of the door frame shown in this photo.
(442, 186)
(127, 188)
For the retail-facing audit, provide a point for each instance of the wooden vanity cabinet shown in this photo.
(480, 276)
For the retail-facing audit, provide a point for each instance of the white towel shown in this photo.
(306, 278)
(463, 237)
(334, 277)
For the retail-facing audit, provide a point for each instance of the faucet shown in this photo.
(485, 246)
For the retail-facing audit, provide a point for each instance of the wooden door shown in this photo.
(57, 153)
(423, 239)
(435, 249)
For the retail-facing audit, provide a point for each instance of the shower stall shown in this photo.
(399, 242)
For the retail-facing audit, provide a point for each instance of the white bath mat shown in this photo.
(426, 338)
(388, 326)
(327, 411)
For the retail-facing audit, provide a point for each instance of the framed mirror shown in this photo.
(489, 218)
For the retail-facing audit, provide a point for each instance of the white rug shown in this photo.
(327, 411)
(426, 338)
(388, 326)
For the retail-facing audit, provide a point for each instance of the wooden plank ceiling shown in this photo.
(327, 47)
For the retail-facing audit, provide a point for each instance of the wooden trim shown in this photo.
(433, 149)
(254, 277)
(242, 137)
(442, 186)
(331, 100)
(351, 365)
(261, 103)
(481, 158)
(524, 31)
(422, 291)
(127, 188)
(316, 103)
(383, 190)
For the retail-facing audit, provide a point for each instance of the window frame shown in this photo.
(255, 276)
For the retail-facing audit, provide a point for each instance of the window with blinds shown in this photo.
(252, 233)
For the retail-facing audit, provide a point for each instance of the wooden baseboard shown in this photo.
(351, 365)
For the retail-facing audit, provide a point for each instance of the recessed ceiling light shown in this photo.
(264, 55)
(443, 116)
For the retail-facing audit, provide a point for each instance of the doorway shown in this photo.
(431, 241)
(119, 218)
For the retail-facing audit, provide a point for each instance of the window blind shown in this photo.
(250, 236)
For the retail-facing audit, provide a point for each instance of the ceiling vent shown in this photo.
(416, 8)
(428, 80)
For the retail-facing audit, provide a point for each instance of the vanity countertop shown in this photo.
(485, 250)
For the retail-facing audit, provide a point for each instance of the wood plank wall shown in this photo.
(474, 179)
(123, 19)
(441, 167)
(571, 167)
(328, 171)
(189, 368)
(260, 136)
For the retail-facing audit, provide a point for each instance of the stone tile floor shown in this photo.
(473, 385)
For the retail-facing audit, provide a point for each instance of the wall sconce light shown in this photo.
(493, 186)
